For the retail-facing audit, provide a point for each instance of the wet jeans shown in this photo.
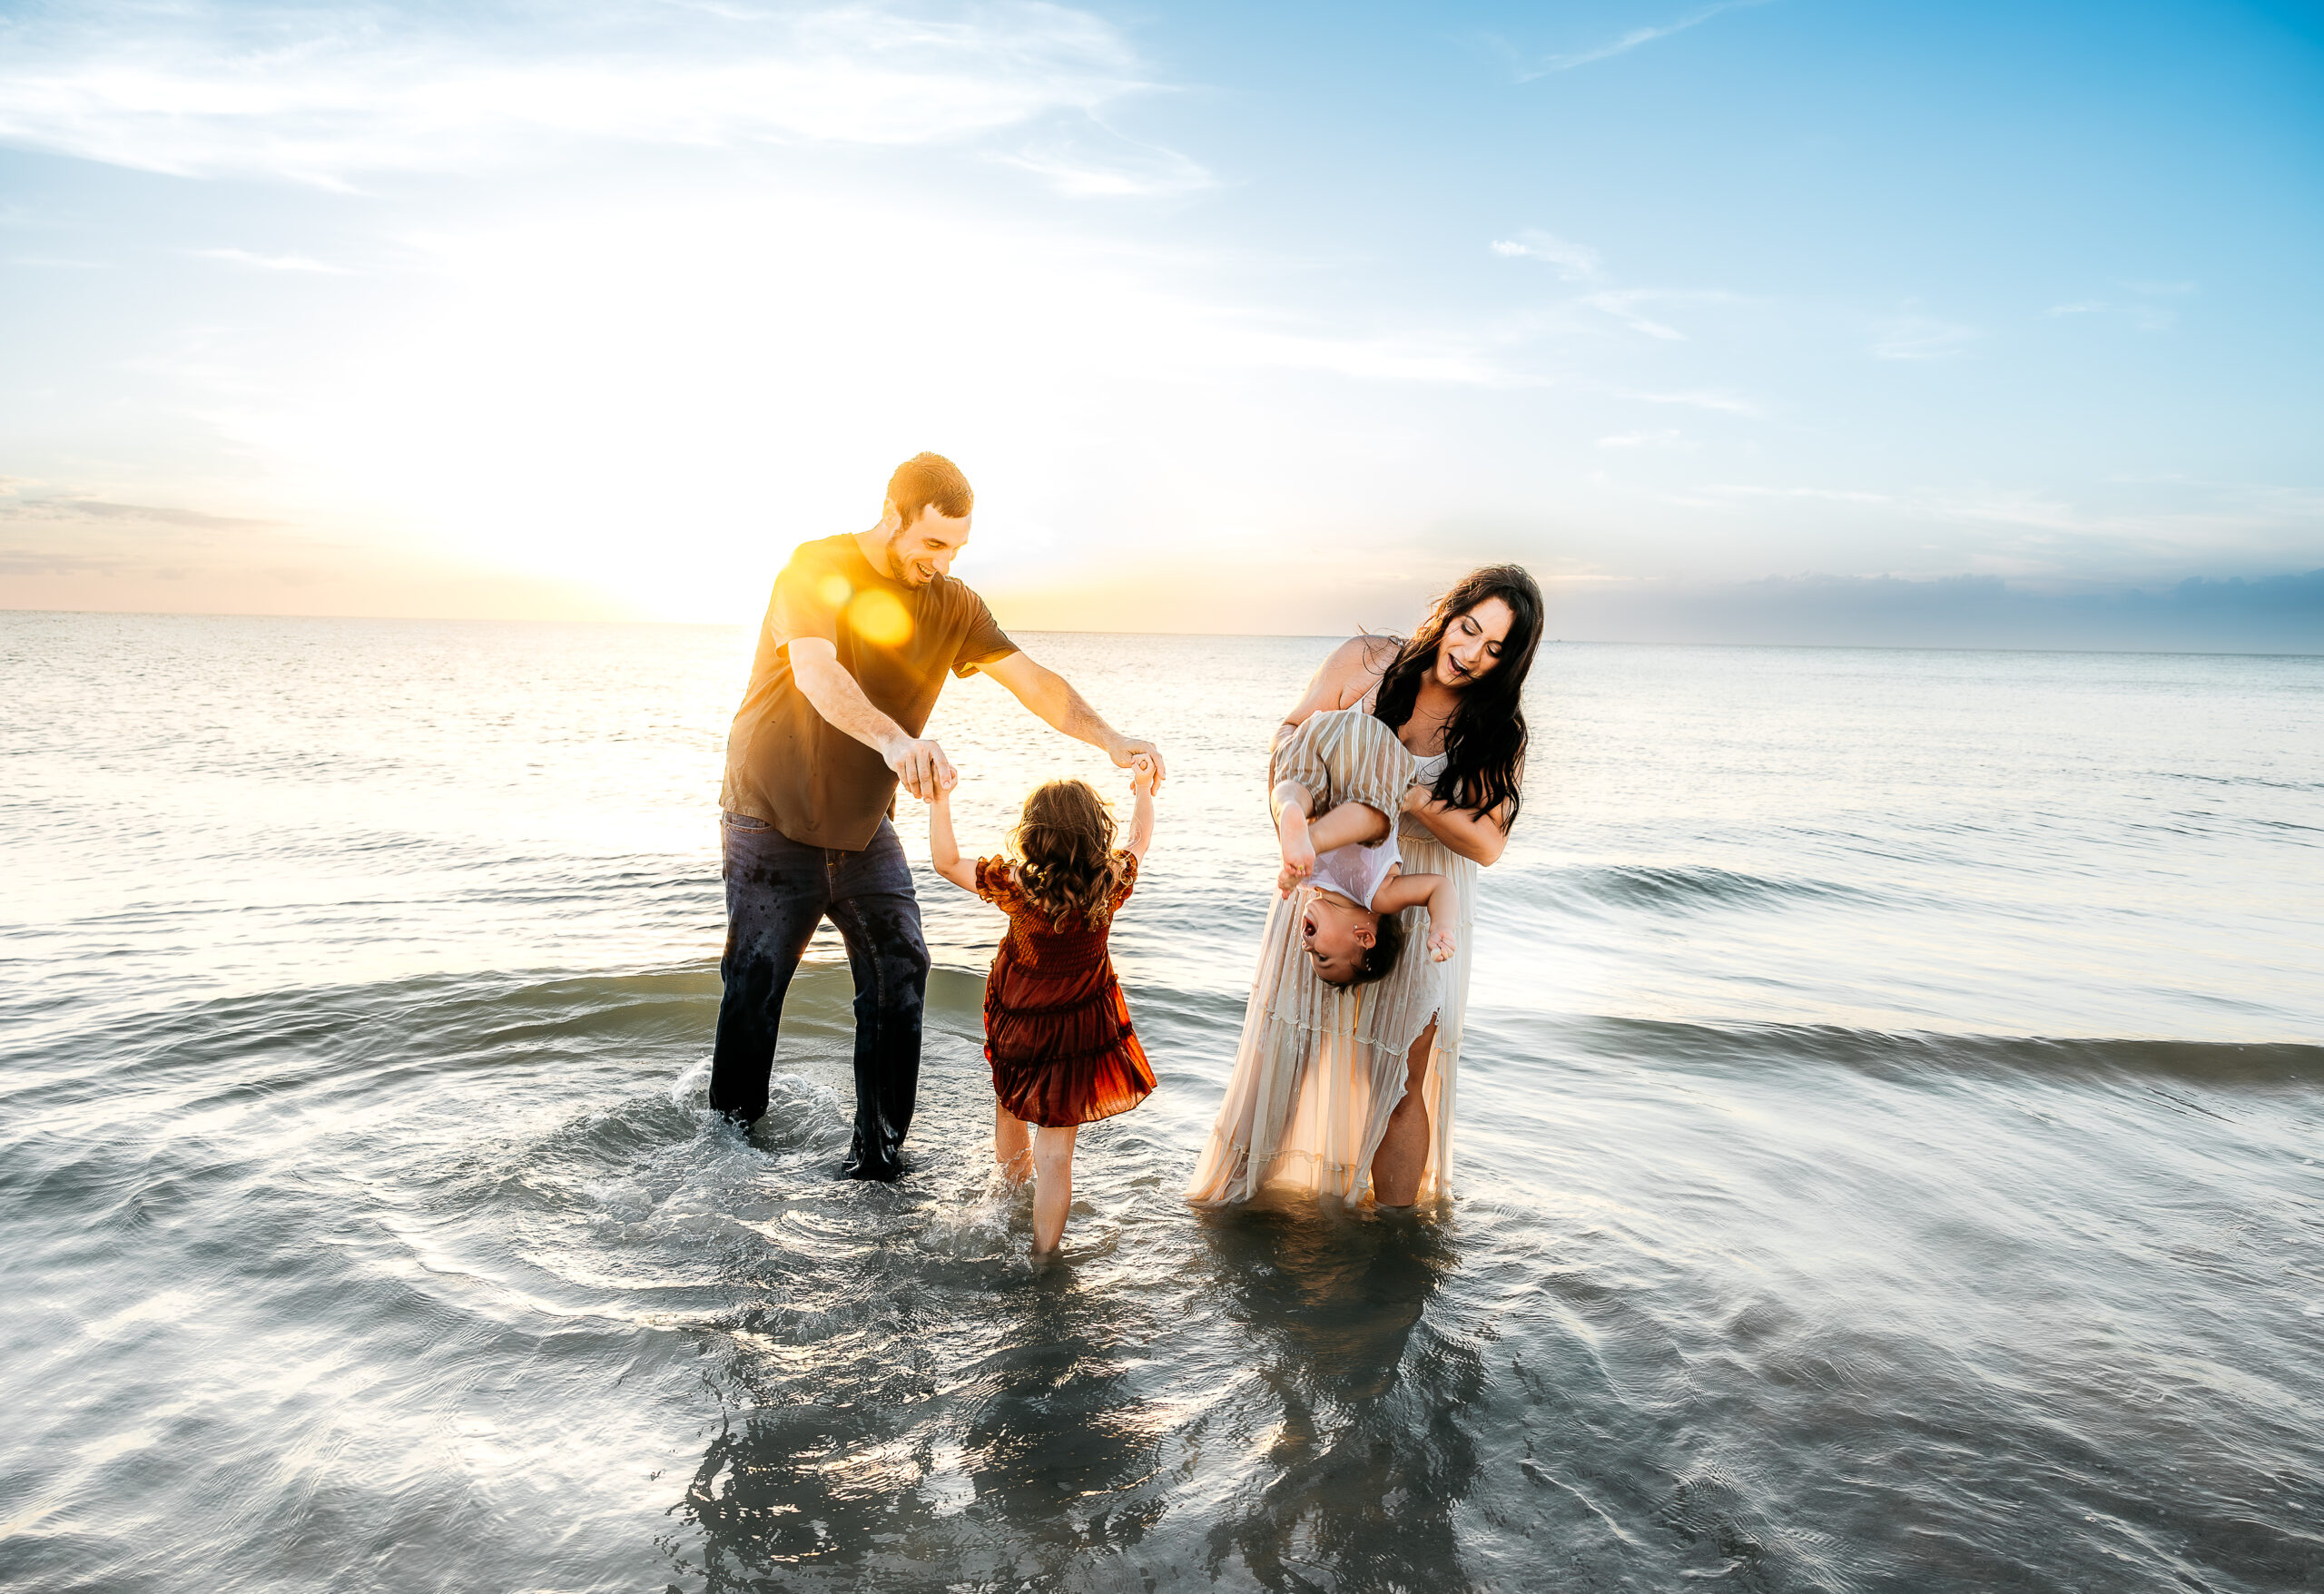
(777, 891)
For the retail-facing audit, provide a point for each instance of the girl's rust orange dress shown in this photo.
(1055, 1028)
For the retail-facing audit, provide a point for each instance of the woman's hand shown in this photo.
(1479, 839)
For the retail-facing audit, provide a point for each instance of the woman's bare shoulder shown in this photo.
(1357, 663)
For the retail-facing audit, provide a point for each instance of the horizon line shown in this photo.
(1251, 635)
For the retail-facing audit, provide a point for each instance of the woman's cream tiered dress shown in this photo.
(1320, 1069)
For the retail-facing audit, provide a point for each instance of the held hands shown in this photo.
(1128, 751)
(920, 766)
(1145, 774)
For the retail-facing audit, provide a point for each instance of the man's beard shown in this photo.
(896, 566)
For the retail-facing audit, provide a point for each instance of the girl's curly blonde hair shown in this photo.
(1065, 844)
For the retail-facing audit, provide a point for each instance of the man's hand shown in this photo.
(1126, 751)
(920, 765)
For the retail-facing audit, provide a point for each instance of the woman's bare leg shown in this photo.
(1403, 1157)
(1011, 1147)
(1052, 1185)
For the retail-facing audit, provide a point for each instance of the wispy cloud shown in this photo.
(326, 95)
(1723, 403)
(2144, 310)
(1668, 437)
(1625, 42)
(1112, 167)
(1827, 495)
(1622, 305)
(268, 262)
(1567, 258)
(23, 501)
(1913, 336)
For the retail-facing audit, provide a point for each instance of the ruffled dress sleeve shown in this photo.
(997, 884)
(1128, 862)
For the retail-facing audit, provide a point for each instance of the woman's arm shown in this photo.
(943, 851)
(1144, 773)
(1479, 838)
(1343, 679)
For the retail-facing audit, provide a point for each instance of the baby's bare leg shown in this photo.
(1350, 824)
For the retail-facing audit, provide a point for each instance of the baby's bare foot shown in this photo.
(1298, 852)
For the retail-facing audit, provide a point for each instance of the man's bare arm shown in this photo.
(918, 762)
(1051, 698)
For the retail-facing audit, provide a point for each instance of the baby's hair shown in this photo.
(1379, 959)
(1065, 843)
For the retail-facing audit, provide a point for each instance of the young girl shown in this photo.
(1057, 1031)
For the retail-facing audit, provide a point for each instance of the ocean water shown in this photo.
(1890, 1149)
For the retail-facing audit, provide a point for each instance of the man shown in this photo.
(857, 639)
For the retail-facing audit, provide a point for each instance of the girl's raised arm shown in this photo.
(1141, 813)
(943, 851)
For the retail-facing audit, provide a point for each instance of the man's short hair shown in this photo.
(929, 481)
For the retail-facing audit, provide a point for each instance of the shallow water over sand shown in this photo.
(1888, 1148)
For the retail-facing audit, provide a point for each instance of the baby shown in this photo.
(1342, 774)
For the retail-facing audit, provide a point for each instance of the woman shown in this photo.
(1334, 1088)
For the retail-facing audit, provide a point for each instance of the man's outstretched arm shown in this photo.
(1052, 697)
(918, 762)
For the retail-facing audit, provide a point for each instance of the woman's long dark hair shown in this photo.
(1485, 741)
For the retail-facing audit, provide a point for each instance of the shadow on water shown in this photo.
(988, 1433)
(1370, 1455)
(994, 1429)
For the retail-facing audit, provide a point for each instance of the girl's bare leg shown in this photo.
(1011, 1147)
(1403, 1157)
(1052, 1185)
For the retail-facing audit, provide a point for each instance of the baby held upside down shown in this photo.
(1346, 853)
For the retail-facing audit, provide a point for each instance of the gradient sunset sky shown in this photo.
(1239, 317)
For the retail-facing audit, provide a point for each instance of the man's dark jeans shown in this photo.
(777, 891)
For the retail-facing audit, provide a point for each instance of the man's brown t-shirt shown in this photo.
(788, 766)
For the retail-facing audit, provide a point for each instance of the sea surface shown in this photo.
(1888, 1156)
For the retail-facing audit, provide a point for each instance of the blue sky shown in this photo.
(1239, 317)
